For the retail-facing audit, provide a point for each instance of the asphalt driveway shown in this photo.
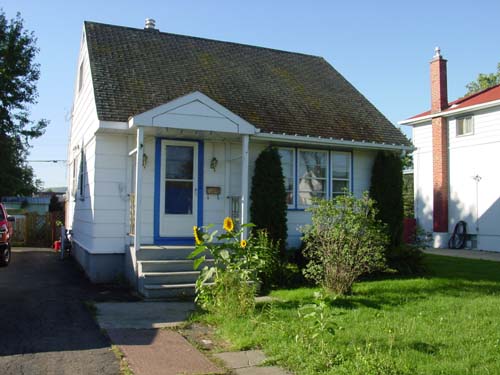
(45, 327)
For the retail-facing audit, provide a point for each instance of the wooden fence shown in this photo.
(34, 229)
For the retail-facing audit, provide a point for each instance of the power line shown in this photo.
(47, 161)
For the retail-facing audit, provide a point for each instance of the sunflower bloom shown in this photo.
(196, 237)
(228, 224)
(243, 243)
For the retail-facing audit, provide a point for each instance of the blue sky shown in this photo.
(382, 47)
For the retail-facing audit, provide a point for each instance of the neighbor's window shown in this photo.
(288, 166)
(312, 172)
(341, 172)
(465, 126)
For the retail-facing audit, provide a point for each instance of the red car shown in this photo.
(6, 231)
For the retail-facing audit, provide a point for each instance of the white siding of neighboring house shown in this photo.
(471, 155)
(422, 175)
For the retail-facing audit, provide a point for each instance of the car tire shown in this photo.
(5, 256)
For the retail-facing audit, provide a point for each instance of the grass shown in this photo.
(447, 322)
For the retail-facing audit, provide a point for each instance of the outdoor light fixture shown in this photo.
(213, 163)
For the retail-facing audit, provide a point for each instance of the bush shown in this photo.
(228, 287)
(387, 191)
(268, 207)
(344, 241)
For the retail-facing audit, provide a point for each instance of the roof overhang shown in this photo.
(194, 111)
(450, 112)
(285, 138)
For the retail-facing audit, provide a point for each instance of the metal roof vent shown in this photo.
(150, 24)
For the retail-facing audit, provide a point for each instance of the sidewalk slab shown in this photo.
(236, 360)
(160, 352)
(270, 370)
(141, 315)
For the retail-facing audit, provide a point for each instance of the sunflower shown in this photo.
(243, 243)
(228, 224)
(196, 237)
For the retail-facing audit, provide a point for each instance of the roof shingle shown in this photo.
(134, 70)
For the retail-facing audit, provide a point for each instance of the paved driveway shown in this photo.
(45, 327)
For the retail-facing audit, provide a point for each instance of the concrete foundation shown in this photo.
(100, 268)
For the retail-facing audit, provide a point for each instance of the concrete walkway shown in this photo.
(462, 253)
(134, 328)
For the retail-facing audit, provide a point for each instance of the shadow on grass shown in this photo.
(451, 277)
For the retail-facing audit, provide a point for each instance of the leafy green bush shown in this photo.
(268, 198)
(344, 241)
(228, 286)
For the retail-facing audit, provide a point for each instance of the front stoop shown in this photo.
(166, 273)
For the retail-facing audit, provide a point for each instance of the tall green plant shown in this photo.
(344, 241)
(268, 196)
(387, 191)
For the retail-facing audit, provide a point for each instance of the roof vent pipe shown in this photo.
(150, 24)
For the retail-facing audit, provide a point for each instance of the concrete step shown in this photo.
(147, 266)
(171, 291)
(166, 278)
(164, 252)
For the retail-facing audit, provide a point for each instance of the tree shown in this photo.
(483, 81)
(387, 191)
(54, 204)
(268, 195)
(18, 77)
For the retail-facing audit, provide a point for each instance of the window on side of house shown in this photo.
(465, 126)
(341, 172)
(81, 177)
(288, 166)
(312, 176)
(80, 76)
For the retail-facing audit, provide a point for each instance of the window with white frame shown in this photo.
(312, 176)
(465, 126)
(287, 156)
(80, 77)
(340, 173)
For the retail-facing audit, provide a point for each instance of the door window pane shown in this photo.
(179, 163)
(179, 197)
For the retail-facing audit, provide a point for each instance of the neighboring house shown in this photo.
(165, 132)
(39, 205)
(455, 171)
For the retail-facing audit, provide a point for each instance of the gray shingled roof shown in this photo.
(134, 70)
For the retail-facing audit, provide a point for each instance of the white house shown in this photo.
(165, 131)
(455, 163)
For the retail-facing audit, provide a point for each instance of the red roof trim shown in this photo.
(484, 96)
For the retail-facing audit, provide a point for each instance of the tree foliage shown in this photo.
(268, 208)
(387, 191)
(19, 74)
(343, 242)
(483, 81)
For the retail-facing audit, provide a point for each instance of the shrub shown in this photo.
(387, 190)
(344, 241)
(228, 287)
(268, 198)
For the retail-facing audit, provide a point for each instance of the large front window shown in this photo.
(310, 174)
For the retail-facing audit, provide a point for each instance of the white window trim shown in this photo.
(464, 118)
(80, 75)
(81, 177)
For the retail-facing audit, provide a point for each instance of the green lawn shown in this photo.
(447, 322)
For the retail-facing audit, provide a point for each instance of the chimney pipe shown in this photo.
(150, 24)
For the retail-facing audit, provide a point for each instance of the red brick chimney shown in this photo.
(440, 169)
